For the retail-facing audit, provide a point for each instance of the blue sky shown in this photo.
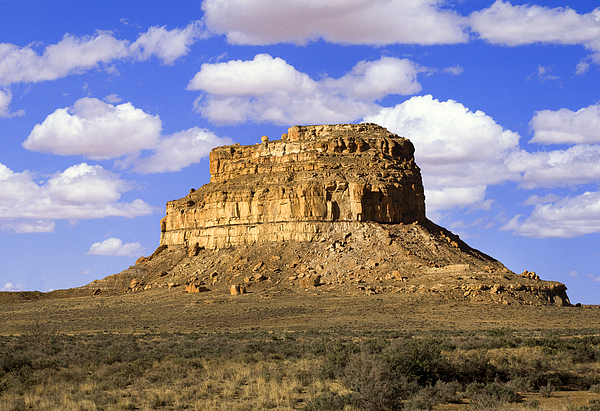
(109, 109)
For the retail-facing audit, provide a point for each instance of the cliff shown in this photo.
(294, 188)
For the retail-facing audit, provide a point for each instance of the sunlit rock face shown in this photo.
(314, 181)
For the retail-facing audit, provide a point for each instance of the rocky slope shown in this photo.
(335, 208)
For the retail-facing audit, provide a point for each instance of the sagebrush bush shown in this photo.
(320, 371)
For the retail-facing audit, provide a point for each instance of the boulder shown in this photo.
(310, 281)
(237, 289)
(195, 288)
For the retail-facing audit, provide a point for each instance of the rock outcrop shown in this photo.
(333, 208)
(295, 188)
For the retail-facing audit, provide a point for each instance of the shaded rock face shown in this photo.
(293, 189)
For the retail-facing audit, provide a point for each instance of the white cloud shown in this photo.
(179, 150)
(80, 192)
(565, 218)
(113, 99)
(583, 66)
(74, 55)
(535, 199)
(373, 80)
(69, 56)
(262, 76)
(268, 89)
(11, 287)
(576, 165)
(460, 152)
(567, 127)
(503, 23)
(5, 99)
(543, 74)
(115, 246)
(95, 130)
(27, 226)
(98, 130)
(454, 70)
(374, 22)
(166, 45)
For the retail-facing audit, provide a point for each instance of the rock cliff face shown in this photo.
(332, 209)
(293, 189)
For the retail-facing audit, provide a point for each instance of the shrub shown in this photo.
(368, 376)
(328, 401)
(547, 390)
(336, 359)
(418, 360)
(492, 395)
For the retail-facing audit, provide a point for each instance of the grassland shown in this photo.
(167, 350)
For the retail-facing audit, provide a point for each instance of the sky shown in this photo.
(109, 109)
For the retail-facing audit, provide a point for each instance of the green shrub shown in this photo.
(418, 360)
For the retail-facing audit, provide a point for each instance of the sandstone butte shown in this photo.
(334, 208)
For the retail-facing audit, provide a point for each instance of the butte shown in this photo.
(328, 208)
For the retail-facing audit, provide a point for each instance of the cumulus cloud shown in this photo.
(5, 99)
(460, 152)
(565, 218)
(567, 127)
(576, 165)
(70, 55)
(73, 55)
(95, 130)
(167, 45)
(80, 192)
(115, 246)
(373, 22)
(179, 150)
(98, 130)
(268, 89)
(503, 23)
(76, 55)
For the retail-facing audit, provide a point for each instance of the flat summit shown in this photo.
(329, 209)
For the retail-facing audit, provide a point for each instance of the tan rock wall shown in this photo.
(281, 190)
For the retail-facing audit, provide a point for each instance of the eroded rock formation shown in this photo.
(294, 188)
(334, 209)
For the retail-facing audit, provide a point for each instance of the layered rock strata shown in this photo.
(332, 209)
(293, 189)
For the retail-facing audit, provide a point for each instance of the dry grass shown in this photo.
(311, 371)
(171, 351)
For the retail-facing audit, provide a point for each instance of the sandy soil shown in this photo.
(290, 308)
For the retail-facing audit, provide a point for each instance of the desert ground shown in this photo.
(293, 309)
(292, 348)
